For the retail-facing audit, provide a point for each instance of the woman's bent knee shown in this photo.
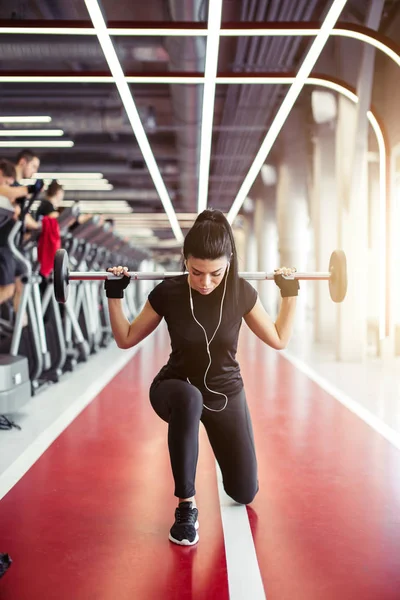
(243, 496)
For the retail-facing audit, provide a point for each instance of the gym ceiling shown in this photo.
(92, 115)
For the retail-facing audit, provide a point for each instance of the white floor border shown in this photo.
(33, 452)
(244, 577)
(365, 415)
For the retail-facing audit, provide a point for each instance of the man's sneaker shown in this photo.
(184, 530)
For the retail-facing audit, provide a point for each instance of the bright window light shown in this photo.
(31, 132)
(382, 275)
(25, 119)
(287, 104)
(132, 112)
(36, 144)
(214, 25)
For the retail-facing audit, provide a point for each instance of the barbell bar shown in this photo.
(337, 275)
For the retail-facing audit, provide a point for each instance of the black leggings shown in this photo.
(230, 432)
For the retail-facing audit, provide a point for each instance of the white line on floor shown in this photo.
(365, 415)
(244, 577)
(35, 450)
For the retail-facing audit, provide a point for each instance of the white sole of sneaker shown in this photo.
(186, 542)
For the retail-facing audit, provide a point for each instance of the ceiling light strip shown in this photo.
(210, 72)
(62, 175)
(167, 79)
(171, 32)
(121, 32)
(56, 79)
(132, 112)
(287, 104)
(89, 187)
(23, 119)
(31, 132)
(36, 144)
(305, 32)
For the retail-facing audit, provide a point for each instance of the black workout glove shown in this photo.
(5, 563)
(36, 187)
(288, 287)
(115, 287)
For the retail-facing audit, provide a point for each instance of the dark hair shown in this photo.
(7, 168)
(26, 154)
(53, 188)
(211, 237)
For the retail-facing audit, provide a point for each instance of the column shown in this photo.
(324, 219)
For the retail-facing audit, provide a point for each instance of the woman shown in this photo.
(201, 381)
(50, 205)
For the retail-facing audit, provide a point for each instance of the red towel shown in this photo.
(48, 244)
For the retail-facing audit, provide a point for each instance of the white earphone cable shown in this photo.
(208, 342)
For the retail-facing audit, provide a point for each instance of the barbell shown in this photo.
(336, 276)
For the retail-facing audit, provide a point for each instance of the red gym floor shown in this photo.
(90, 520)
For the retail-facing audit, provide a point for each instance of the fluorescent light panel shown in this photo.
(88, 182)
(99, 79)
(69, 182)
(355, 35)
(363, 37)
(210, 72)
(36, 144)
(129, 32)
(25, 119)
(69, 175)
(88, 186)
(287, 104)
(31, 132)
(132, 112)
(55, 79)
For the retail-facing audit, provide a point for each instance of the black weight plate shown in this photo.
(61, 276)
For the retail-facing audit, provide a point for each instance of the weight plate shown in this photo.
(61, 276)
(338, 278)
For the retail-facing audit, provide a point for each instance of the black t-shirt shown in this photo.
(45, 209)
(189, 358)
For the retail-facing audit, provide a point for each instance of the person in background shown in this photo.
(10, 269)
(27, 165)
(8, 264)
(52, 202)
(50, 238)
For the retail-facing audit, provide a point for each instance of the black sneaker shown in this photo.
(184, 530)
